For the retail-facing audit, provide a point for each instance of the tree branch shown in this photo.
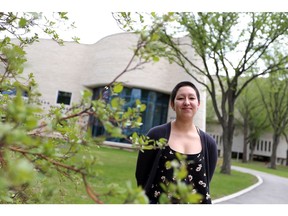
(90, 192)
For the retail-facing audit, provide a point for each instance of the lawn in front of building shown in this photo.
(118, 169)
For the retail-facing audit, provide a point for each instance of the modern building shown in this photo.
(263, 148)
(63, 72)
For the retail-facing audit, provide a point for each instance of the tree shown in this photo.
(286, 138)
(229, 46)
(34, 143)
(252, 118)
(274, 97)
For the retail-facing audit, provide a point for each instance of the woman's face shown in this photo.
(186, 102)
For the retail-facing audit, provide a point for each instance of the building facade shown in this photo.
(263, 149)
(63, 72)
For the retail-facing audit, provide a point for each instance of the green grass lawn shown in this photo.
(260, 166)
(118, 167)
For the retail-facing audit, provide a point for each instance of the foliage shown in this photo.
(35, 144)
(252, 117)
(275, 103)
(222, 47)
(27, 26)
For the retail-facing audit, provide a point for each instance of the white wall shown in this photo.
(74, 67)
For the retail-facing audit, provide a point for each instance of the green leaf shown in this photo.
(115, 102)
(21, 171)
(117, 132)
(22, 22)
(138, 102)
(117, 88)
(156, 58)
(142, 107)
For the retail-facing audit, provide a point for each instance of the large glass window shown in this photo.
(155, 114)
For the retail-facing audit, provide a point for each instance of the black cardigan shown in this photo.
(147, 161)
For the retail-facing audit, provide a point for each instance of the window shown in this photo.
(261, 147)
(13, 92)
(64, 97)
(156, 112)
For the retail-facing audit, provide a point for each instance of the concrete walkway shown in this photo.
(269, 189)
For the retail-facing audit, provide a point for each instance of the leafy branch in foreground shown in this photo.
(34, 143)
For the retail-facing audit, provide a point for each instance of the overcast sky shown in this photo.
(92, 27)
(94, 20)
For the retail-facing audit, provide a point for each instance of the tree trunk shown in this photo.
(228, 129)
(251, 155)
(276, 139)
(245, 142)
(227, 149)
(253, 144)
(287, 157)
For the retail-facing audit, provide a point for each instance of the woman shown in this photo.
(182, 137)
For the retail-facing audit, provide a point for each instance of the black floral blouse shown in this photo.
(196, 175)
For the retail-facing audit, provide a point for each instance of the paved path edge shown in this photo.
(239, 193)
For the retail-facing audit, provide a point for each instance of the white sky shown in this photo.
(92, 27)
(94, 20)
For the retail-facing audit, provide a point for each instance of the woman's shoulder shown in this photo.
(207, 136)
(160, 127)
(159, 131)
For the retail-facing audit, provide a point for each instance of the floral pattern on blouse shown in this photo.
(196, 175)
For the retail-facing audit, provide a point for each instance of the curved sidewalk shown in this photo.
(269, 189)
